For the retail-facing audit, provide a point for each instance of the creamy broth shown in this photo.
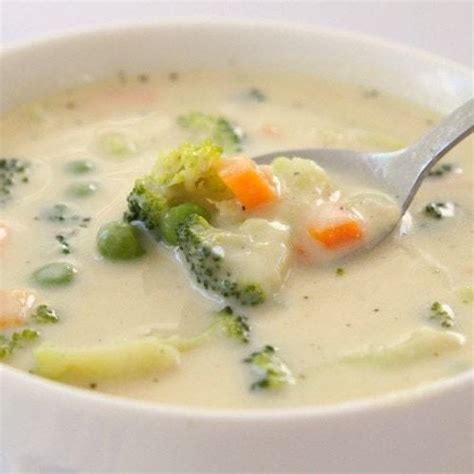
(323, 319)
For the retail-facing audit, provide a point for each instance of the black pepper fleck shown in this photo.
(173, 76)
(371, 94)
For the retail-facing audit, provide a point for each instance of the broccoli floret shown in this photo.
(63, 214)
(186, 174)
(273, 372)
(201, 245)
(69, 220)
(190, 173)
(64, 244)
(4, 347)
(234, 325)
(12, 172)
(145, 204)
(442, 313)
(44, 314)
(8, 345)
(235, 264)
(219, 129)
(439, 210)
(442, 170)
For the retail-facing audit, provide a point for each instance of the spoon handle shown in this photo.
(412, 164)
(448, 133)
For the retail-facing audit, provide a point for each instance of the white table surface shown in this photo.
(444, 27)
(441, 27)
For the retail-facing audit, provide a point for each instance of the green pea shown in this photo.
(119, 241)
(80, 166)
(55, 274)
(173, 217)
(82, 189)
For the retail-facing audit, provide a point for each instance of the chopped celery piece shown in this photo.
(125, 359)
(421, 344)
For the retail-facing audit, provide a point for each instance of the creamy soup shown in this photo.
(144, 254)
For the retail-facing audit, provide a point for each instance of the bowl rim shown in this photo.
(14, 47)
(397, 398)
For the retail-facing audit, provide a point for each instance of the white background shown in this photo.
(441, 27)
(444, 27)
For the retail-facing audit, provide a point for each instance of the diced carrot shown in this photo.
(249, 184)
(338, 235)
(15, 307)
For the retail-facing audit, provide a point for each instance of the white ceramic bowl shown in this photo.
(48, 427)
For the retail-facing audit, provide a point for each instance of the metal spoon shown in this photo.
(399, 173)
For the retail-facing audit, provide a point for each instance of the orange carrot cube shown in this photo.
(249, 184)
(338, 235)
